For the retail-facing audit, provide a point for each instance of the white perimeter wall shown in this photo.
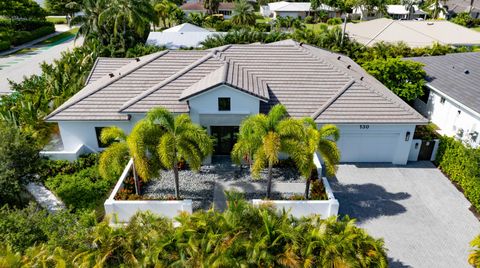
(375, 143)
(446, 117)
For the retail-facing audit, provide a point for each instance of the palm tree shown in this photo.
(409, 6)
(243, 14)
(269, 135)
(125, 14)
(211, 6)
(139, 145)
(474, 257)
(89, 20)
(182, 140)
(436, 8)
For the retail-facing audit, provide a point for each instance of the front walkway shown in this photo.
(423, 218)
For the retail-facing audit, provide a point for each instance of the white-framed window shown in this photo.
(442, 100)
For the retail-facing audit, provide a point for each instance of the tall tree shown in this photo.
(68, 8)
(21, 9)
(266, 136)
(128, 14)
(436, 9)
(243, 14)
(90, 27)
(182, 140)
(211, 6)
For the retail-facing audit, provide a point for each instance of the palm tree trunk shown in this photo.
(307, 188)
(177, 186)
(135, 179)
(269, 184)
(344, 28)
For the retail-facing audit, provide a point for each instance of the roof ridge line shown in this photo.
(91, 71)
(332, 99)
(176, 75)
(379, 33)
(138, 64)
(439, 41)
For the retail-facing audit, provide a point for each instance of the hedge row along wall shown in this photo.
(462, 164)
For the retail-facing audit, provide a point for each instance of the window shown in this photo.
(98, 132)
(224, 104)
(442, 100)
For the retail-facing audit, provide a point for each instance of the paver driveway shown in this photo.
(423, 218)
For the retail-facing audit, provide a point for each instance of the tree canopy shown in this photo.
(21, 9)
(405, 78)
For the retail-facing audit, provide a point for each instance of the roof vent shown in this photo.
(348, 67)
(111, 75)
(466, 72)
(137, 59)
(119, 74)
(361, 78)
(429, 23)
(301, 44)
(339, 57)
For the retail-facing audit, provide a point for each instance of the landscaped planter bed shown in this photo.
(122, 210)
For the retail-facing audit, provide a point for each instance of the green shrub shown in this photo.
(241, 236)
(4, 45)
(465, 19)
(462, 165)
(334, 21)
(57, 20)
(263, 27)
(308, 19)
(22, 37)
(82, 190)
(21, 228)
(50, 168)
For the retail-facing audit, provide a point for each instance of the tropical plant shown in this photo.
(474, 257)
(405, 78)
(263, 137)
(241, 236)
(90, 26)
(68, 8)
(436, 8)
(243, 14)
(410, 7)
(181, 139)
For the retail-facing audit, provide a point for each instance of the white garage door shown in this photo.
(371, 147)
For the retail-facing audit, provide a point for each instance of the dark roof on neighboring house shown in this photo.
(309, 81)
(456, 75)
(199, 6)
(459, 6)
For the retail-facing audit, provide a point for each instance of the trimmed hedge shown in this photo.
(462, 165)
(24, 36)
(4, 45)
(25, 25)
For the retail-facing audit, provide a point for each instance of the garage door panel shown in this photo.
(368, 147)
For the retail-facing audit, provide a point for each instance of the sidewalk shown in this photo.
(59, 28)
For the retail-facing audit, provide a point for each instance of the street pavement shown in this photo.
(16, 66)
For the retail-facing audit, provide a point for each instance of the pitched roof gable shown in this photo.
(309, 81)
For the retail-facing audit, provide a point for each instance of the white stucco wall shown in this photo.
(293, 14)
(375, 143)
(204, 107)
(447, 117)
(76, 133)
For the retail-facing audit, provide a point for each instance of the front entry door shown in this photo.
(225, 137)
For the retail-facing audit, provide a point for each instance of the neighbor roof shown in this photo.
(295, 6)
(176, 40)
(309, 81)
(186, 28)
(413, 33)
(198, 6)
(402, 10)
(459, 6)
(456, 75)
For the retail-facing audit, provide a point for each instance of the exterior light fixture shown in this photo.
(407, 136)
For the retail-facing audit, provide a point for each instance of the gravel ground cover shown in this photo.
(199, 186)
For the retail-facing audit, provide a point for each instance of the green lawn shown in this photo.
(60, 37)
(477, 29)
(56, 20)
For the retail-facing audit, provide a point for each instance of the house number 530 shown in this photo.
(364, 126)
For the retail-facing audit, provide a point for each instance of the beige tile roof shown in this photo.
(309, 81)
(104, 66)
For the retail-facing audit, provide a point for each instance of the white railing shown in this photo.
(122, 210)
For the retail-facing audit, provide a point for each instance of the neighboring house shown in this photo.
(452, 99)
(224, 8)
(293, 9)
(459, 6)
(185, 35)
(413, 33)
(400, 12)
(220, 87)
